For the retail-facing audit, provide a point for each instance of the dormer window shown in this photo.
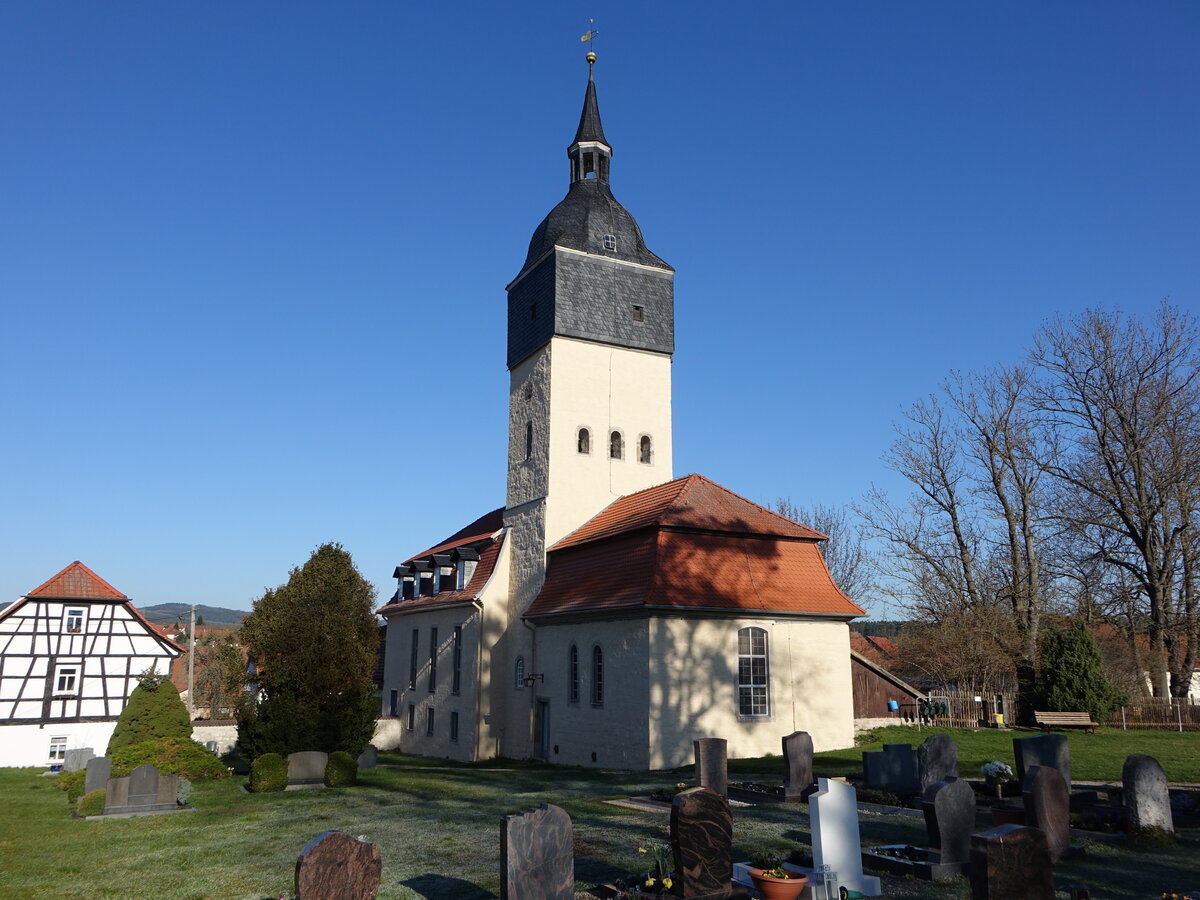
(610, 242)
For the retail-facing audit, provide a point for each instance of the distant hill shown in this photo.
(169, 613)
(871, 629)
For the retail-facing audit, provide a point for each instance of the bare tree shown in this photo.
(845, 551)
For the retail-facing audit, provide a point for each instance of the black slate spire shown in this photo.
(590, 128)
(590, 152)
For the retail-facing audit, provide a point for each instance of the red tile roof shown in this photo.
(483, 571)
(77, 582)
(689, 502)
(483, 527)
(689, 544)
(879, 650)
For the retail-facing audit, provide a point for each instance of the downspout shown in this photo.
(478, 686)
(532, 690)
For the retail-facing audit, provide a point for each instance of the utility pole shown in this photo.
(192, 666)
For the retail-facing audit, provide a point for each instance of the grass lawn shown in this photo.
(438, 829)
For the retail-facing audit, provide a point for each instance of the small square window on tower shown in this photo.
(610, 242)
(639, 313)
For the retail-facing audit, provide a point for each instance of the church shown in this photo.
(610, 613)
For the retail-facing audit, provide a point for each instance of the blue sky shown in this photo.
(253, 255)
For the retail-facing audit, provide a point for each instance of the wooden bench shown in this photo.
(1065, 720)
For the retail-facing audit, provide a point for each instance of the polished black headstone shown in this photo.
(798, 762)
(1011, 862)
(1043, 750)
(1048, 807)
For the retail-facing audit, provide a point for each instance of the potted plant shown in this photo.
(998, 774)
(772, 880)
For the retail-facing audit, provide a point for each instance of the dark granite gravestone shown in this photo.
(894, 768)
(950, 818)
(77, 759)
(701, 838)
(711, 764)
(1011, 862)
(1048, 807)
(99, 770)
(798, 765)
(142, 791)
(937, 760)
(1043, 750)
(307, 767)
(369, 758)
(537, 855)
(335, 866)
(1146, 797)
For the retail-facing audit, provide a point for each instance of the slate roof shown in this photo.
(590, 128)
(76, 582)
(689, 545)
(483, 527)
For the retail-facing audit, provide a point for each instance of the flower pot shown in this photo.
(777, 888)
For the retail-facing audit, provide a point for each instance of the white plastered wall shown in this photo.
(29, 745)
(693, 686)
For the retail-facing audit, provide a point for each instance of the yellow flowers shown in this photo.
(642, 850)
(649, 882)
(667, 882)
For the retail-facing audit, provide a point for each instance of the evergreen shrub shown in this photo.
(1070, 677)
(154, 712)
(268, 772)
(72, 783)
(341, 770)
(92, 804)
(170, 757)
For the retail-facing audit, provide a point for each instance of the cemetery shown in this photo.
(420, 828)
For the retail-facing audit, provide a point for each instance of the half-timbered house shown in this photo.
(71, 651)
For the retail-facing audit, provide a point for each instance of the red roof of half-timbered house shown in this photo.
(76, 582)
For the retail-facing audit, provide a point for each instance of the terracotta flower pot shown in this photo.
(777, 888)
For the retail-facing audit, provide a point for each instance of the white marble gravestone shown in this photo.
(833, 811)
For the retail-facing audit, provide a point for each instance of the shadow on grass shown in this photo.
(443, 887)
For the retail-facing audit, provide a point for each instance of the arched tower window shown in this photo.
(754, 690)
(519, 673)
(528, 439)
(597, 676)
(616, 446)
(584, 443)
(645, 451)
(573, 674)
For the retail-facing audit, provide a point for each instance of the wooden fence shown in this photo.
(955, 708)
(1171, 715)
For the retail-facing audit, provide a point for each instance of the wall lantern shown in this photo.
(533, 678)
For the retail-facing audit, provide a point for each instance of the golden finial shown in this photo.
(588, 37)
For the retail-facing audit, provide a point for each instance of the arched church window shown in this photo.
(584, 443)
(616, 446)
(519, 674)
(754, 689)
(645, 451)
(528, 439)
(597, 676)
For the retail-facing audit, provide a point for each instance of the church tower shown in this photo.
(590, 335)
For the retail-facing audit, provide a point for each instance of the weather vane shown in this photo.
(588, 37)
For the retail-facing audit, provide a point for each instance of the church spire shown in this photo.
(590, 152)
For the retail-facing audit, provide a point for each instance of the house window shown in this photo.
(457, 681)
(519, 673)
(454, 727)
(597, 676)
(412, 661)
(616, 446)
(58, 749)
(66, 678)
(394, 704)
(639, 313)
(75, 617)
(753, 689)
(528, 439)
(584, 442)
(429, 722)
(412, 717)
(573, 674)
(645, 450)
(433, 649)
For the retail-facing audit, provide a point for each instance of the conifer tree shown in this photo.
(155, 711)
(313, 643)
(1070, 677)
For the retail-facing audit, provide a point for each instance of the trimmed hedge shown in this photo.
(92, 804)
(268, 773)
(170, 757)
(341, 770)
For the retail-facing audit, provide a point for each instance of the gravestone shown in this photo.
(142, 791)
(1011, 862)
(99, 770)
(701, 840)
(798, 763)
(537, 855)
(307, 767)
(335, 866)
(894, 768)
(711, 764)
(949, 808)
(937, 760)
(77, 759)
(833, 815)
(1146, 797)
(369, 758)
(1043, 750)
(1048, 807)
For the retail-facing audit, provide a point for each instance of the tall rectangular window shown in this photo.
(753, 684)
(457, 683)
(66, 679)
(433, 649)
(75, 620)
(412, 661)
(454, 727)
(394, 704)
(429, 721)
(573, 674)
(597, 677)
(412, 717)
